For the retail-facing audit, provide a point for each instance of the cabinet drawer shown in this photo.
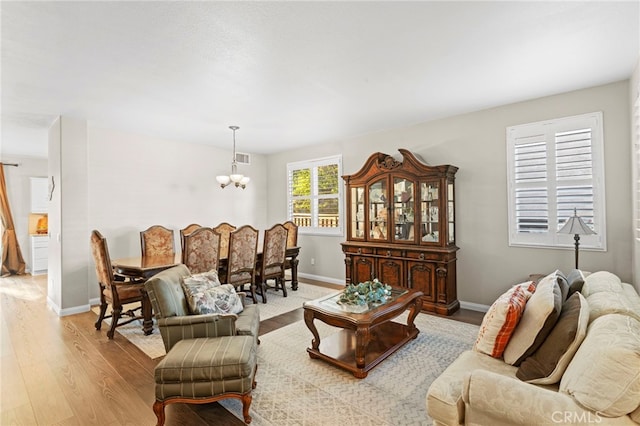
(357, 250)
(385, 252)
(40, 253)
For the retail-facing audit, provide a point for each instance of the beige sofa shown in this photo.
(601, 383)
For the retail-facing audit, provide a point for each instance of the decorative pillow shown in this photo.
(604, 375)
(575, 278)
(500, 321)
(209, 277)
(563, 283)
(205, 298)
(539, 317)
(548, 363)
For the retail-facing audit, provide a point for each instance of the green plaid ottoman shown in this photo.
(203, 370)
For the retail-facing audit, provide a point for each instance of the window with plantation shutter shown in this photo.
(314, 195)
(556, 167)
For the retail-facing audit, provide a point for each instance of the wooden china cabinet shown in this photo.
(401, 228)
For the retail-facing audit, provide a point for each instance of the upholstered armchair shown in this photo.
(171, 311)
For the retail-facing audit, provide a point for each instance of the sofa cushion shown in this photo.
(204, 297)
(611, 302)
(500, 321)
(444, 397)
(549, 362)
(601, 281)
(604, 375)
(539, 317)
(563, 283)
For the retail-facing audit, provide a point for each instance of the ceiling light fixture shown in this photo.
(236, 178)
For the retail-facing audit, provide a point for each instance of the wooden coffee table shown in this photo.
(368, 336)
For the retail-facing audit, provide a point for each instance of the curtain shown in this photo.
(12, 260)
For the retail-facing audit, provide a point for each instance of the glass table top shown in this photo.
(333, 302)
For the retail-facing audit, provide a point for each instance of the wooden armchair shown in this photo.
(157, 241)
(115, 290)
(201, 250)
(241, 265)
(273, 260)
(187, 230)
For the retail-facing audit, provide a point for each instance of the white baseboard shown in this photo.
(474, 306)
(52, 305)
(321, 278)
(74, 310)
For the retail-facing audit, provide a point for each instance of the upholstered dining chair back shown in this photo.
(187, 230)
(241, 263)
(201, 251)
(292, 235)
(225, 229)
(157, 241)
(273, 259)
(116, 292)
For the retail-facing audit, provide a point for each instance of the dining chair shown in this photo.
(271, 266)
(187, 230)
(241, 263)
(292, 241)
(201, 250)
(157, 241)
(115, 290)
(225, 229)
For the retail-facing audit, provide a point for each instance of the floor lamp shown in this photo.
(576, 226)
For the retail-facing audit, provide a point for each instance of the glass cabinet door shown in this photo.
(403, 210)
(450, 213)
(378, 221)
(357, 212)
(429, 194)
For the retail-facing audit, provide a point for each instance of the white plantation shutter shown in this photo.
(314, 195)
(554, 167)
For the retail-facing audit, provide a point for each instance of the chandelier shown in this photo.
(238, 179)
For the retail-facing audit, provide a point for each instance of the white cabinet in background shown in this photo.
(39, 254)
(39, 195)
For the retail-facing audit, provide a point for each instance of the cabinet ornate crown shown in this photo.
(401, 227)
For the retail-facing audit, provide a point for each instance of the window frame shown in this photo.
(547, 131)
(313, 164)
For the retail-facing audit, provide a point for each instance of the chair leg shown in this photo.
(253, 293)
(115, 316)
(246, 403)
(103, 310)
(158, 409)
(283, 283)
(263, 289)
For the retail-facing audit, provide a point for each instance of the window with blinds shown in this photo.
(556, 167)
(314, 195)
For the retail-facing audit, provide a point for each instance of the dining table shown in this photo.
(145, 267)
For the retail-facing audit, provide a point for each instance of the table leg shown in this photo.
(363, 336)
(147, 315)
(414, 310)
(315, 343)
(294, 272)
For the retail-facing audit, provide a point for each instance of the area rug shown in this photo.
(293, 389)
(276, 305)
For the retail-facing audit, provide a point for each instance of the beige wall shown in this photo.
(634, 102)
(475, 142)
(136, 181)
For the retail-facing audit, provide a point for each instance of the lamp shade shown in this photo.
(575, 225)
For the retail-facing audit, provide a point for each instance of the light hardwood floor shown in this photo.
(61, 371)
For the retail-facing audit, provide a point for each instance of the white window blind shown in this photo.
(314, 195)
(554, 167)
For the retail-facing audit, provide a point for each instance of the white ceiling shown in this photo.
(296, 73)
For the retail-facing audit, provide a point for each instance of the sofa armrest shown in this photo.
(243, 297)
(174, 329)
(494, 398)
